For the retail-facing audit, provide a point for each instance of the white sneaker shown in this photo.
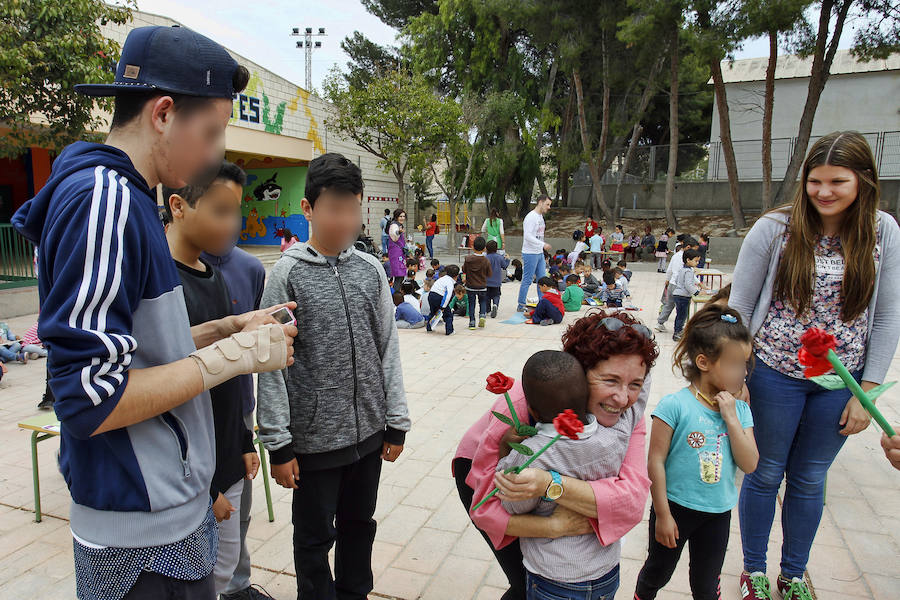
(660, 327)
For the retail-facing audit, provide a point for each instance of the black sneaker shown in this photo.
(251, 593)
(46, 403)
(494, 313)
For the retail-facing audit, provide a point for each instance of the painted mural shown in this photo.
(271, 202)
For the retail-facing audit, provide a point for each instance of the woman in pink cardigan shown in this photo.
(617, 353)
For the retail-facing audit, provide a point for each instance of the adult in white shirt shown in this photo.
(668, 300)
(533, 246)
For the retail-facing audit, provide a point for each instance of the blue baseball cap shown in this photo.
(169, 59)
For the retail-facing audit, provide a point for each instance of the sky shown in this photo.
(261, 31)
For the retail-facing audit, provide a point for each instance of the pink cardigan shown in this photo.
(620, 500)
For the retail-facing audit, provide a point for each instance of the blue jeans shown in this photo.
(481, 297)
(429, 243)
(9, 353)
(533, 268)
(795, 423)
(604, 588)
(682, 309)
(384, 243)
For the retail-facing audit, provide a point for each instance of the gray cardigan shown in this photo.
(753, 284)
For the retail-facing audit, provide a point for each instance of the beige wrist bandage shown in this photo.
(241, 353)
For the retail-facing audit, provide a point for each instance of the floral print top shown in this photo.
(778, 340)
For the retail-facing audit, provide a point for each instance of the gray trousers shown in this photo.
(668, 305)
(241, 579)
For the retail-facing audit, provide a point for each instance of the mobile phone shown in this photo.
(284, 316)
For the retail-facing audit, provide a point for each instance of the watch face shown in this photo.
(554, 491)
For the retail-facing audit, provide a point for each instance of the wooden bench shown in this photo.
(46, 426)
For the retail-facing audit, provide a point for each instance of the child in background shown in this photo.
(427, 285)
(704, 246)
(386, 264)
(204, 218)
(662, 250)
(573, 296)
(516, 266)
(460, 302)
(612, 293)
(420, 259)
(410, 295)
(617, 238)
(11, 346)
(410, 279)
(550, 308)
(499, 263)
(406, 315)
(553, 265)
(477, 268)
(700, 436)
(634, 243)
(590, 285)
(564, 271)
(438, 269)
(578, 566)
(622, 281)
(686, 285)
(596, 242)
(624, 267)
(439, 299)
(580, 247)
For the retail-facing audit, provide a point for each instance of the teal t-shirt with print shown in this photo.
(699, 468)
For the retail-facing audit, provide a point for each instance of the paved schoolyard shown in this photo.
(426, 547)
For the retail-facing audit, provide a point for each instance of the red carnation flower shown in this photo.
(818, 342)
(568, 424)
(498, 383)
(814, 353)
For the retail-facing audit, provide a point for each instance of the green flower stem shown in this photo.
(512, 411)
(518, 469)
(860, 394)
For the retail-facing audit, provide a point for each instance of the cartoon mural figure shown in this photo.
(255, 227)
(268, 190)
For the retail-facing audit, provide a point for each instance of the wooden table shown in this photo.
(712, 274)
(462, 249)
(45, 426)
(699, 300)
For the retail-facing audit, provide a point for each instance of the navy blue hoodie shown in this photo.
(111, 300)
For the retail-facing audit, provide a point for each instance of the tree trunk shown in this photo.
(768, 107)
(737, 214)
(548, 95)
(451, 231)
(629, 155)
(673, 130)
(821, 68)
(593, 165)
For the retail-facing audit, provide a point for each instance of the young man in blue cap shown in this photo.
(137, 448)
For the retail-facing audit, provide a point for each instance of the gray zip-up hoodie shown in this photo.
(753, 285)
(345, 388)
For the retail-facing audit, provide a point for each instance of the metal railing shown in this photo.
(16, 259)
(706, 162)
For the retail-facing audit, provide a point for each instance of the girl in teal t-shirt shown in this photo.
(700, 436)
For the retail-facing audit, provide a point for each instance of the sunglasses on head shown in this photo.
(614, 324)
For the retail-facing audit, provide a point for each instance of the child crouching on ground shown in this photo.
(407, 315)
(439, 299)
(700, 436)
(550, 308)
(573, 566)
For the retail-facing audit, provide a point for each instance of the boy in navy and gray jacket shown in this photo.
(138, 456)
(499, 263)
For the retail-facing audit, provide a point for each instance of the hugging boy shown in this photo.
(554, 381)
(330, 420)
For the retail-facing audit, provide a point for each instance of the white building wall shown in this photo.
(304, 116)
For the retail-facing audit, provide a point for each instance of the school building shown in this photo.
(276, 128)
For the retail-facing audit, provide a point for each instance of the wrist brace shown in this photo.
(242, 353)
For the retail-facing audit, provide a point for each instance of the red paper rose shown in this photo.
(818, 342)
(814, 353)
(498, 383)
(568, 424)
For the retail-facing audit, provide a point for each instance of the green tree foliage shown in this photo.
(46, 48)
(397, 118)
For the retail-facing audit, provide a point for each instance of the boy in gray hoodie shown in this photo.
(330, 419)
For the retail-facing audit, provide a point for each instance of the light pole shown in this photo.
(308, 45)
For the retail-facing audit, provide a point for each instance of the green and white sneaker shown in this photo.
(755, 586)
(792, 589)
